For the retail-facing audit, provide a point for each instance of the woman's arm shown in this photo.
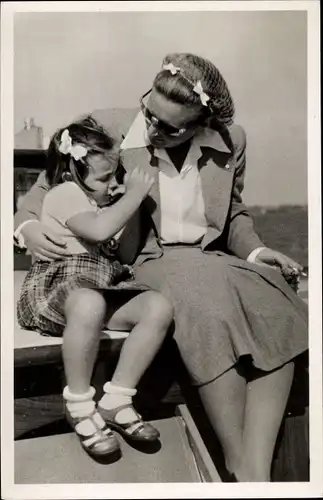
(41, 241)
(242, 238)
(32, 203)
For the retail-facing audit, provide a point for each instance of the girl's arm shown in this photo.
(99, 227)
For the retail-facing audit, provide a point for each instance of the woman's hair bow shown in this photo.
(77, 151)
(198, 89)
(170, 67)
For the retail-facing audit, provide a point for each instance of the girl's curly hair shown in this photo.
(86, 132)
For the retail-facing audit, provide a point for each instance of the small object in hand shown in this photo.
(113, 244)
(293, 279)
(299, 272)
(110, 247)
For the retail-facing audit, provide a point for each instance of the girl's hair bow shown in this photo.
(77, 151)
(198, 89)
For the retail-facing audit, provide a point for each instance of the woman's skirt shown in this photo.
(48, 284)
(226, 308)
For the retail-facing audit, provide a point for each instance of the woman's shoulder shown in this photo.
(238, 135)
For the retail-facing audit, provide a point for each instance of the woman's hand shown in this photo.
(273, 258)
(139, 181)
(42, 242)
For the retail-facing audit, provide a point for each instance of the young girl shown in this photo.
(90, 289)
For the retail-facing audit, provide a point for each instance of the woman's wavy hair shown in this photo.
(178, 88)
(85, 132)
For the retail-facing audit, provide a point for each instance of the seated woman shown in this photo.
(194, 241)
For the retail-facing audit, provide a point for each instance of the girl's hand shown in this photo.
(42, 242)
(270, 257)
(139, 181)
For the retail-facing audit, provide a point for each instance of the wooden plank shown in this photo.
(60, 459)
(292, 459)
(49, 349)
(204, 462)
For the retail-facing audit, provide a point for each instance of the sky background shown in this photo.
(67, 64)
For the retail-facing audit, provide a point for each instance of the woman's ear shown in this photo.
(120, 173)
(207, 122)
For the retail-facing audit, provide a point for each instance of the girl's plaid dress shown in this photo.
(48, 284)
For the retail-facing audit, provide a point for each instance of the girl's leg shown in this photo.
(224, 401)
(85, 311)
(149, 316)
(267, 397)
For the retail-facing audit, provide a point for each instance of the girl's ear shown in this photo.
(67, 177)
(55, 165)
(78, 172)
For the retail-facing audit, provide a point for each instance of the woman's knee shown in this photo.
(157, 309)
(86, 306)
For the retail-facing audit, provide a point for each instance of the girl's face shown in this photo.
(169, 123)
(102, 177)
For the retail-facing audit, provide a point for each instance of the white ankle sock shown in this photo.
(79, 405)
(115, 396)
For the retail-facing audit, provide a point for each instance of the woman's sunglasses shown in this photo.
(163, 127)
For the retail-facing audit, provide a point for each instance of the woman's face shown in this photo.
(165, 117)
(101, 178)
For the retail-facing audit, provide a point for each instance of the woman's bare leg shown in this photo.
(266, 402)
(224, 401)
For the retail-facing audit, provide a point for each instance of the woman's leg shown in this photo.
(224, 401)
(266, 401)
(149, 316)
(85, 311)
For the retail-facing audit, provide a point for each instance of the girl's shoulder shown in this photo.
(66, 189)
(65, 196)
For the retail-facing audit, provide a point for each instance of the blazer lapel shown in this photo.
(145, 159)
(216, 174)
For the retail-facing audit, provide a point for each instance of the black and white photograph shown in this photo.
(161, 250)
